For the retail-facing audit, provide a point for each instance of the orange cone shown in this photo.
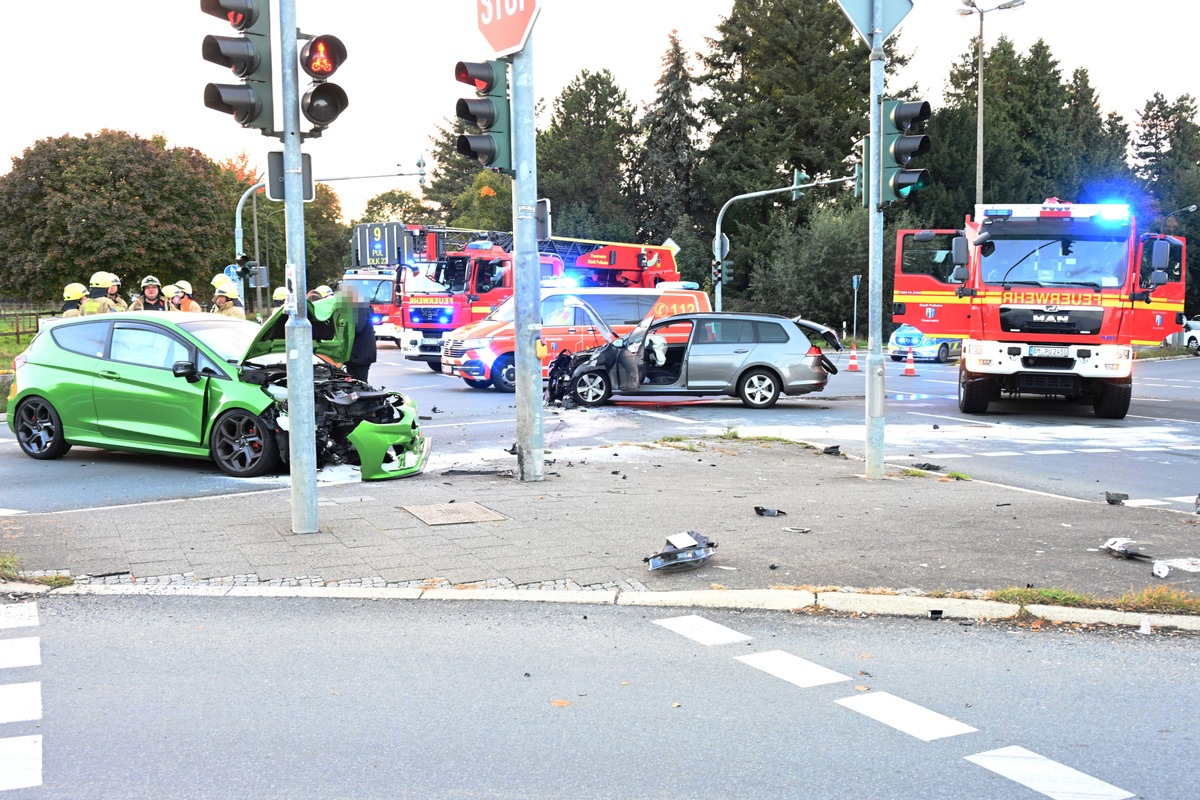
(910, 370)
(853, 365)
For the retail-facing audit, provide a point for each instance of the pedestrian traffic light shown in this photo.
(490, 111)
(900, 146)
(323, 102)
(248, 56)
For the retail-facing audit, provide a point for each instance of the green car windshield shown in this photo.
(229, 342)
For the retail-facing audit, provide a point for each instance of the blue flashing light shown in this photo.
(377, 319)
(413, 316)
(1114, 212)
(997, 212)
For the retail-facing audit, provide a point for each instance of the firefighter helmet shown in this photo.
(227, 289)
(324, 291)
(279, 294)
(150, 280)
(220, 279)
(171, 290)
(101, 280)
(74, 291)
(184, 287)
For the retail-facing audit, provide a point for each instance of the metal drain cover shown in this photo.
(453, 513)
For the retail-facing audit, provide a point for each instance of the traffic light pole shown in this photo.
(875, 364)
(302, 436)
(530, 436)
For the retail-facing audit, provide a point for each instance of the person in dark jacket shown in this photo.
(362, 353)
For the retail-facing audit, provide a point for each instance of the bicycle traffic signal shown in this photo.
(489, 110)
(322, 102)
(900, 146)
(248, 56)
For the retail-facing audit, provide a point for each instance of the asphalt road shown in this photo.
(1047, 445)
(189, 697)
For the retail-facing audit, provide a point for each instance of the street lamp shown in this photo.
(1162, 225)
(973, 8)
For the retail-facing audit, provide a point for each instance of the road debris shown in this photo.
(929, 467)
(833, 450)
(796, 529)
(769, 512)
(1115, 498)
(681, 552)
(1122, 547)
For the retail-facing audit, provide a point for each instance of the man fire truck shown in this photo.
(470, 283)
(1048, 299)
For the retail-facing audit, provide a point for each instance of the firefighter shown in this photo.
(98, 301)
(152, 296)
(278, 296)
(73, 294)
(114, 293)
(185, 301)
(170, 293)
(223, 301)
(219, 280)
(320, 293)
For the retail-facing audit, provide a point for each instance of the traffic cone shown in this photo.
(853, 365)
(910, 369)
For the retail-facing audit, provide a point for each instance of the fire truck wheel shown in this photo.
(591, 389)
(436, 366)
(504, 374)
(477, 384)
(973, 395)
(1112, 400)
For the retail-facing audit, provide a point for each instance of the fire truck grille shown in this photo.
(431, 314)
(1047, 384)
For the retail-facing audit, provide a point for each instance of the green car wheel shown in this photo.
(243, 445)
(39, 430)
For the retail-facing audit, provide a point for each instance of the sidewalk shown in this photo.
(600, 511)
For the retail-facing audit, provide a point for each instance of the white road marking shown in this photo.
(792, 669)
(904, 716)
(1144, 503)
(1185, 499)
(1183, 447)
(667, 417)
(702, 630)
(942, 456)
(1054, 780)
(20, 762)
(23, 652)
(20, 702)
(18, 615)
(1000, 453)
(460, 424)
(1048, 452)
(1145, 449)
(1097, 450)
(11, 512)
(959, 420)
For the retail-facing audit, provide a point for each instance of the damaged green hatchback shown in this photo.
(205, 386)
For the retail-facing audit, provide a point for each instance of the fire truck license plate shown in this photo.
(1050, 352)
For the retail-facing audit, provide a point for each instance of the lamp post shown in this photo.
(1162, 226)
(973, 8)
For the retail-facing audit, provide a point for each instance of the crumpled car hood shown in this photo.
(332, 321)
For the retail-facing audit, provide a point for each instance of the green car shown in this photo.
(205, 386)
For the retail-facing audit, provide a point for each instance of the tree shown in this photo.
(485, 205)
(397, 205)
(110, 202)
(326, 238)
(663, 167)
(452, 172)
(583, 159)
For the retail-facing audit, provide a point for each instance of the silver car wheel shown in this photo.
(759, 389)
(591, 389)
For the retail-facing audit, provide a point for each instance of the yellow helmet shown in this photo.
(324, 291)
(171, 290)
(220, 279)
(74, 291)
(227, 289)
(184, 286)
(279, 294)
(101, 280)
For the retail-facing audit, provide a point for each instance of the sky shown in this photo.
(401, 55)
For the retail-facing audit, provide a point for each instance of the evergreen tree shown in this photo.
(484, 205)
(663, 167)
(452, 173)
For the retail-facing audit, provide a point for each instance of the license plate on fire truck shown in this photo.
(1049, 352)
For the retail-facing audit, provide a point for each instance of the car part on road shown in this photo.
(769, 512)
(682, 551)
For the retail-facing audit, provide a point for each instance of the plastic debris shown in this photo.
(796, 529)
(1122, 547)
(1116, 498)
(929, 467)
(769, 512)
(682, 551)
(833, 450)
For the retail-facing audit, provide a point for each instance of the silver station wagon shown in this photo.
(755, 357)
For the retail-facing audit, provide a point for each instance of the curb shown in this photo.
(745, 599)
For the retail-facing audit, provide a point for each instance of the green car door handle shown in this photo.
(108, 373)
(742, 350)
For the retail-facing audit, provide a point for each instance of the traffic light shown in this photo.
(489, 111)
(862, 174)
(248, 56)
(726, 271)
(323, 102)
(798, 179)
(245, 266)
(900, 147)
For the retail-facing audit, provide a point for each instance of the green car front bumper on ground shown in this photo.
(390, 450)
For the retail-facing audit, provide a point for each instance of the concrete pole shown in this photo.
(875, 364)
(527, 270)
(298, 332)
(979, 120)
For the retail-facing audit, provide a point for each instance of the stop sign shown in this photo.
(506, 23)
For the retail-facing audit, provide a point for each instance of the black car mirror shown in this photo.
(185, 369)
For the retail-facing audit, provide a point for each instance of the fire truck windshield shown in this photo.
(379, 291)
(1098, 263)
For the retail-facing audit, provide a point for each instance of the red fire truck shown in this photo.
(1047, 299)
(471, 282)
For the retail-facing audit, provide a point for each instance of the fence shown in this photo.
(19, 325)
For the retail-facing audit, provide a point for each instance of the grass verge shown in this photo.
(1152, 599)
(9, 567)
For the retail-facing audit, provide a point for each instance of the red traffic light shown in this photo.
(240, 13)
(480, 74)
(321, 56)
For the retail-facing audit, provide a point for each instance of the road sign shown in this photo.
(506, 23)
(275, 176)
(231, 272)
(860, 13)
(721, 247)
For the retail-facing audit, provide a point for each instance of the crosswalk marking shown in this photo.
(1054, 780)
(20, 762)
(906, 717)
(1185, 499)
(792, 669)
(999, 453)
(1145, 503)
(20, 702)
(18, 615)
(701, 630)
(24, 652)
